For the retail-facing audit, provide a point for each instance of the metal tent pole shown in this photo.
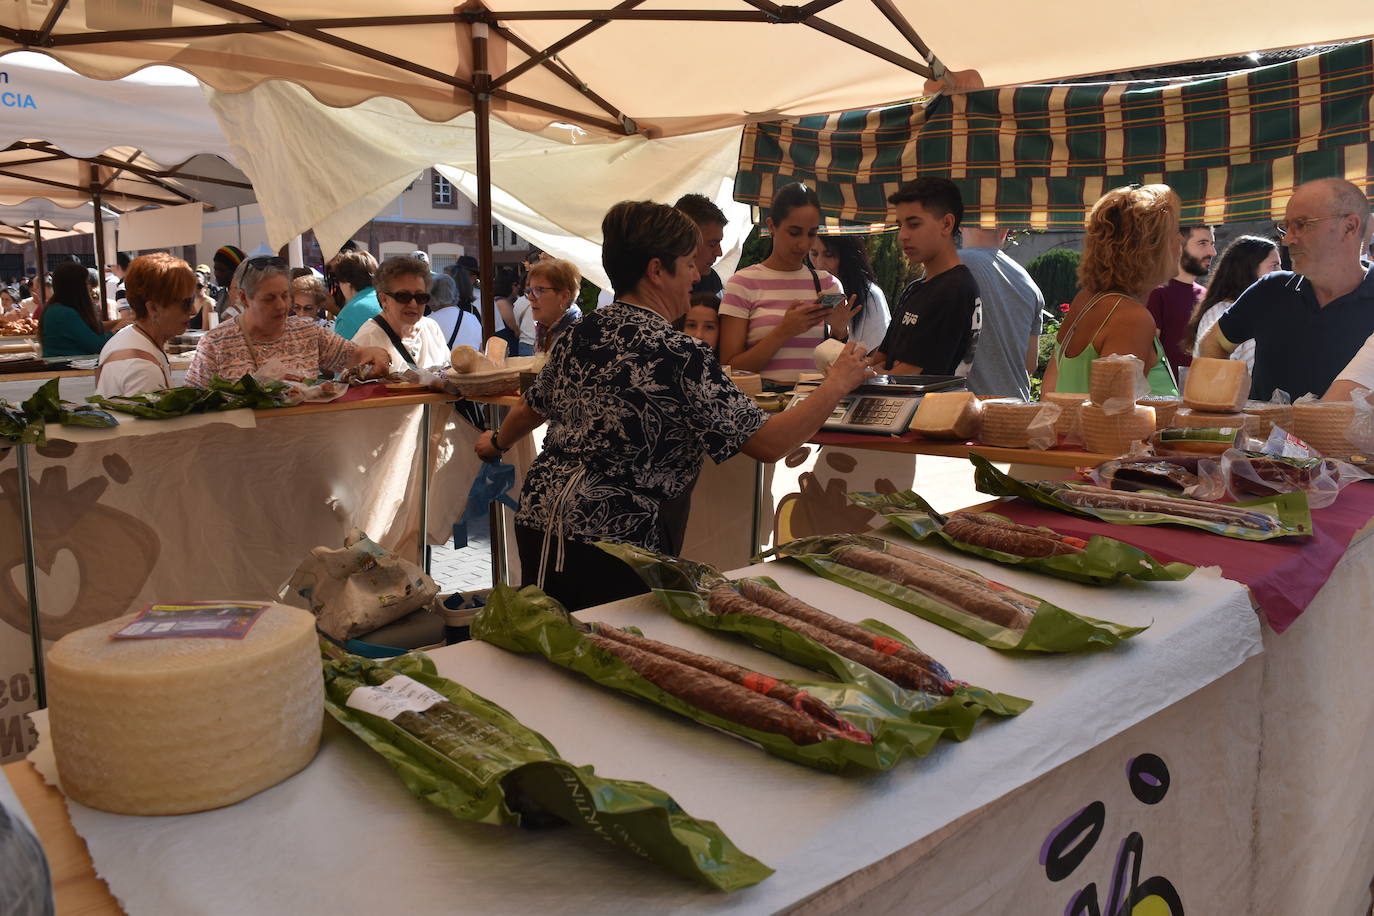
(40, 687)
(39, 296)
(100, 253)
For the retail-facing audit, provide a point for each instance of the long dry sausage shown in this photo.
(995, 533)
(974, 597)
(792, 606)
(1101, 498)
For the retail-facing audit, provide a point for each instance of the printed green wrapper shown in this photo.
(1052, 628)
(1291, 509)
(221, 394)
(513, 775)
(1102, 561)
(682, 587)
(530, 621)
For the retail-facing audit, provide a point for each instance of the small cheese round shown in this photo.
(1164, 405)
(1113, 377)
(1322, 425)
(1113, 433)
(172, 726)
(1270, 415)
(1188, 418)
(1070, 403)
(1007, 423)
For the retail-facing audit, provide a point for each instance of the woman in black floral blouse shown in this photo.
(633, 408)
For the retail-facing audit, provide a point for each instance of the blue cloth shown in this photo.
(357, 312)
(494, 482)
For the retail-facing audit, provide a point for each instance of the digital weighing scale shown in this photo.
(883, 405)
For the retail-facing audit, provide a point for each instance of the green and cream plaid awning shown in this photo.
(1234, 147)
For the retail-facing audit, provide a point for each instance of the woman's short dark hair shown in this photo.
(395, 268)
(159, 278)
(70, 288)
(855, 272)
(355, 268)
(1232, 275)
(788, 198)
(635, 232)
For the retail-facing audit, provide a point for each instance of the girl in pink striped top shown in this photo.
(770, 316)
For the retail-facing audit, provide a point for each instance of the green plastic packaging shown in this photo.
(28, 422)
(1052, 628)
(479, 763)
(1102, 561)
(683, 586)
(532, 622)
(1291, 509)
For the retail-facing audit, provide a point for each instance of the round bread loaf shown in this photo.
(183, 724)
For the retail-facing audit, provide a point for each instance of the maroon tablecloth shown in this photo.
(1283, 575)
(828, 438)
(371, 390)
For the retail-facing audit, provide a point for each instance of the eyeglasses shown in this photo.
(265, 260)
(405, 297)
(1302, 223)
(538, 291)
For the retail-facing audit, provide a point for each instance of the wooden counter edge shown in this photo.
(76, 886)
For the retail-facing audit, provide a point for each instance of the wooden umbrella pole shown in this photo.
(482, 110)
(39, 293)
(100, 252)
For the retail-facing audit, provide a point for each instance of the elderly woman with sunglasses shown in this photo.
(265, 336)
(411, 339)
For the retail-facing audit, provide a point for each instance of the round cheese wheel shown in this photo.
(1113, 433)
(1322, 425)
(183, 724)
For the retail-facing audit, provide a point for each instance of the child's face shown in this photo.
(704, 324)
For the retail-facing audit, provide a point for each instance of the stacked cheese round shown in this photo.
(1113, 433)
(1164, 406)
(1070, 403)
(183, 724)
(1115, 378)
(1322, 425)
(1188, 418)
(1270, 415)
(1006, 422)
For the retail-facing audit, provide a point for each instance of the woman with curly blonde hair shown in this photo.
(1131, 246)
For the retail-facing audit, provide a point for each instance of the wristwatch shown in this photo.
(496, 445)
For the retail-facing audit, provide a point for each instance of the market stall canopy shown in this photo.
(22, 233)
(639, 65)
(1233, 146)
(553, 190)
(49, 215)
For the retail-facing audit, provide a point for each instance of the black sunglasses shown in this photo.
(405, 297)
(265, 260)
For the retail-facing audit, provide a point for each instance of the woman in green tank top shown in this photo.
(1131, 245)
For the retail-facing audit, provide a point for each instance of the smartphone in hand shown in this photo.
(830, 300)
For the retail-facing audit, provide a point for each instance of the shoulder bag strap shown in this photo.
(395, 340)
(132, 354)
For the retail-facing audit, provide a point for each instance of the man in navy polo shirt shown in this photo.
(1307, 324)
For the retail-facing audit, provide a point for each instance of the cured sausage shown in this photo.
(995, 533)
(713, 694)
(782, 691)
(1101, 498)
(787, 604)
(965, 592)
(724, 600)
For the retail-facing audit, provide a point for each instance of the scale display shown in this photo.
(883, 405)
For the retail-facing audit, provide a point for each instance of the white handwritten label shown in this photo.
(399, 694)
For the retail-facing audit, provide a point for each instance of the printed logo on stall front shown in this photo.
(1068, 845)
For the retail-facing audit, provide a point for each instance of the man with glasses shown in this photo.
(1307, 324)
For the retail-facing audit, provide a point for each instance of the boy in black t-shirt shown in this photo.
(934, 328)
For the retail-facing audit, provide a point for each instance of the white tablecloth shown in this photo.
(345, 837)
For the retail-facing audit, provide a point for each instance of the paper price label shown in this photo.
(399, 694)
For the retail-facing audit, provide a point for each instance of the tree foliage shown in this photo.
(1056, 273)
